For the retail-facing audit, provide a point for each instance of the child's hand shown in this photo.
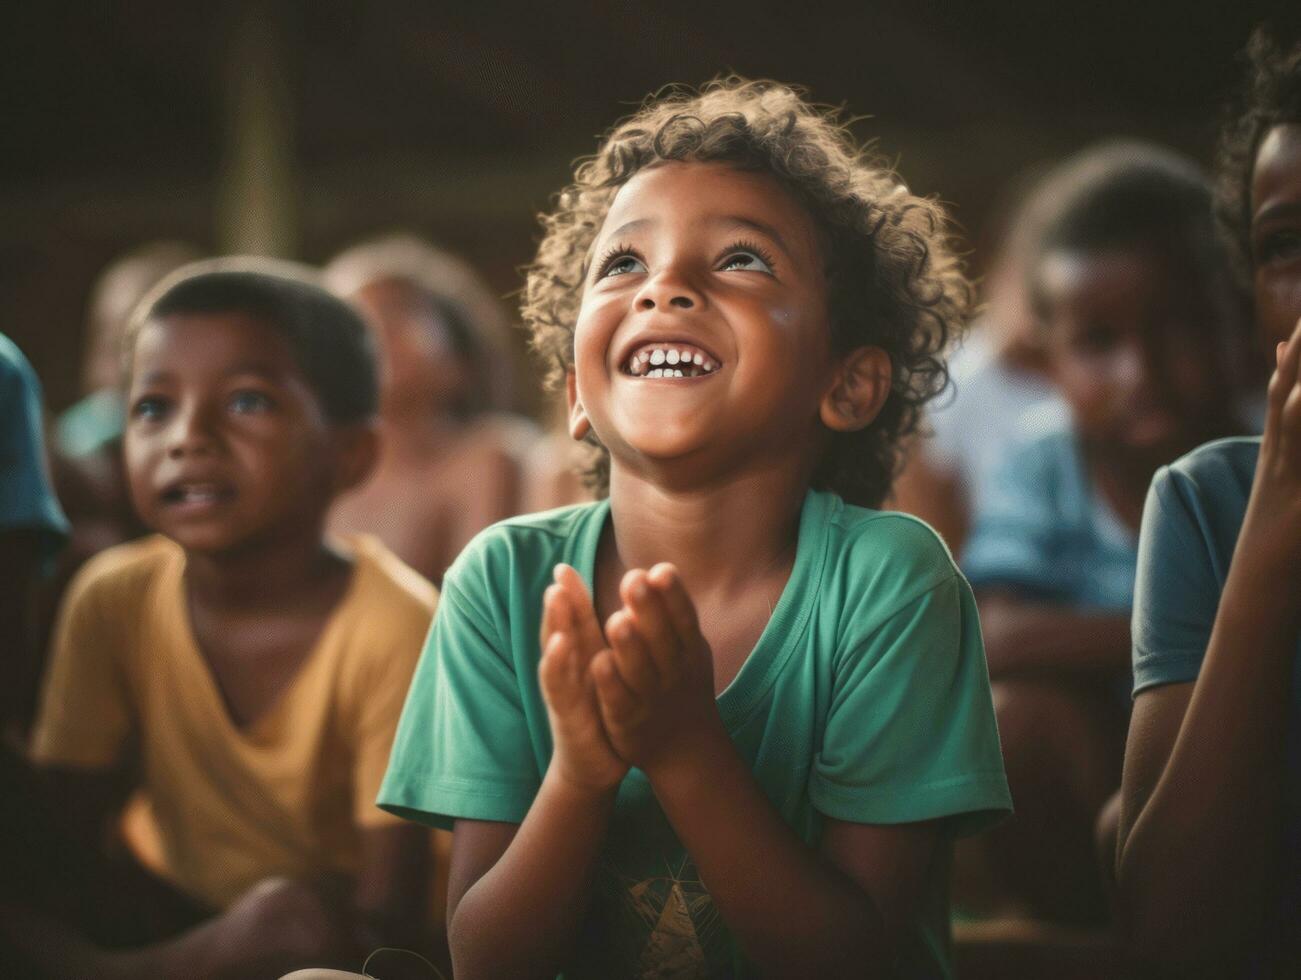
(655, 684)
(1274, 513)
(571, 637)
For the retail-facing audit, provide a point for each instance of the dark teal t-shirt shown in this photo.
(866, 699)
(27, 501)
(1191, 523)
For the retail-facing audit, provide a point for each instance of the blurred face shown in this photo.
(703, 330)
(1130, 339)
(1276, 232)
(418, 364)
(225, 444)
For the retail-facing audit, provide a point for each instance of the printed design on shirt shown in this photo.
(670, 926)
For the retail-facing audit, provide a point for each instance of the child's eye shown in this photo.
(745, 260)
(249, 402)
(622, 265)
(1094, 340)
(1279, 245)
(150, 408)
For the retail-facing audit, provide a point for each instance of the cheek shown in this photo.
(1278, 302)
(139, 458)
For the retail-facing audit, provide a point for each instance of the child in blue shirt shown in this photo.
(1209, 862)
(728, 719)
(1141, 332)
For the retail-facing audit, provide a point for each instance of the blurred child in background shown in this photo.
(1209, 862)
(450, 456)
(242, 670)
(998, 374)
(32, 530)
(1141, 329)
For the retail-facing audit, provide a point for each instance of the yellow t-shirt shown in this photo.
(286, 795)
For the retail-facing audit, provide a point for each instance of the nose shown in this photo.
(668, 289)
(191, 432)
(1131, 367)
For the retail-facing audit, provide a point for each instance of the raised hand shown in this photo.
(655, 683)
(571, 638)
(1273, 522)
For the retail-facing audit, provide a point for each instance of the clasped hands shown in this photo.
(639, 692)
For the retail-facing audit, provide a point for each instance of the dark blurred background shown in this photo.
(295, 128)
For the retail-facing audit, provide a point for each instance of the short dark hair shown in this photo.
(1121, 195)
(327, 337)
(1270, 96)
(894, 278)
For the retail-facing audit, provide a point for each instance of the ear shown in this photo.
(859, 389)
(579, 424)
(356, 449)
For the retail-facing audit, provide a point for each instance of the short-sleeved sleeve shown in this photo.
(1177, 591)
(1011, 542)
(910, 732)
(26, 499)
(463, 748)
(86, 713)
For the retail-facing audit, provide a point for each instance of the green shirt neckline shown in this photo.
(790, 616)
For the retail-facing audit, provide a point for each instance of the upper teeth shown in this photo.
(199, 493)
(670, 361)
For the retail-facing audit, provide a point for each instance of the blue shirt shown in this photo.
(1044, 531)
(26, 500)
(1190, 528)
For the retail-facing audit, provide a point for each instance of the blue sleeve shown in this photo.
(1012, 540)
(1177, 592)
(26, 498)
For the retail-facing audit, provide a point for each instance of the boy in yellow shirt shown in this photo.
(247, 672)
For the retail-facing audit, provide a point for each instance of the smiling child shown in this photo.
(242, 671)
(728, 719)
(1209, 862)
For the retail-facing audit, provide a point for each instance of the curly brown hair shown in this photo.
(1271, 96)
(894, 280)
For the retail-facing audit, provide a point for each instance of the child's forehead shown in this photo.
(1121, 275)
(1276, 176)
(213, 342)
(689, 193)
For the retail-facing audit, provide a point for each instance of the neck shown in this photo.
(265, 575)
(720, 536)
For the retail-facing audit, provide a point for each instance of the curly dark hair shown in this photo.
(894, 279)
(1271, 96)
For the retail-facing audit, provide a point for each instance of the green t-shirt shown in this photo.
(865, 699)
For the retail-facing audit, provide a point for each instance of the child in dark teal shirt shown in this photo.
(728, 720)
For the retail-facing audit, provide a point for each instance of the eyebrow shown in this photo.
(740, 221)
(728, 220)
(263, 371)
(1283, 209)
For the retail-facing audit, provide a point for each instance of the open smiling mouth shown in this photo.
(669, 360)
(197, 494)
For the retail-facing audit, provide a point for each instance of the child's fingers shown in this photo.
(1287, 355)
(556, 672)
(677, 603)
(635, 664)
(613, 697)
(590, 638)
(652, 622)
(557, 613)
